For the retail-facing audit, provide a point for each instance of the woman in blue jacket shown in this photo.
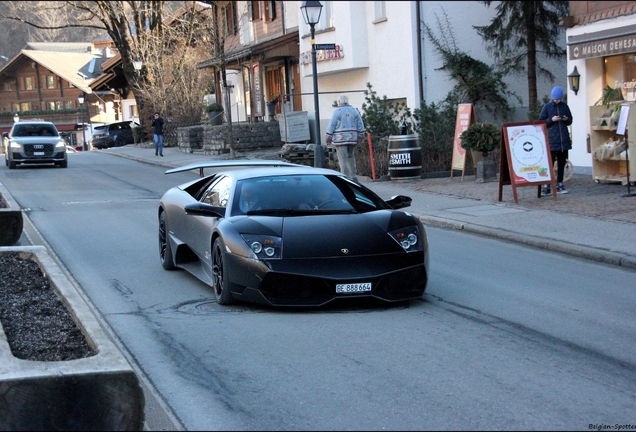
(558, 117)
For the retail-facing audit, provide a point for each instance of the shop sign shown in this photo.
(322, 55)
(258, 95)
(603, 47)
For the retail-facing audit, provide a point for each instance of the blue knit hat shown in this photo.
(557, 93)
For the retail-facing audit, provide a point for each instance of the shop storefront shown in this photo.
(604, 53)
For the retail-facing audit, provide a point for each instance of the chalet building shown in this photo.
(601, 41)
(45, 80)
(261, 58)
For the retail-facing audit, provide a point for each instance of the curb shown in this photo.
(101, 392)
(579, 251)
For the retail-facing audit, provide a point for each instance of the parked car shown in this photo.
(113, 135)
(34, 142)
(283, 234)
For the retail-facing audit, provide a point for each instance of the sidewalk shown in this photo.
(593, 221)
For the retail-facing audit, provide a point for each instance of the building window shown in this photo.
(28, 83)
(7, 86)
(380, 10)
(68, 105)
(50, 106)
(59, 105)
(254, 10)
(133, 111)
(270, 10)
(326, 18)
(50, 81)
(229, 19)
(15, 107)
(25, 106)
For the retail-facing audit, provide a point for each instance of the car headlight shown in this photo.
(15, 146)
(264, 247)
(408, 238)
(60, 144)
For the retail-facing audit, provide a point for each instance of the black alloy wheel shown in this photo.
(219, 274)
(165, 251)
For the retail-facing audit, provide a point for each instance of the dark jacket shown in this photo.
(558, 134)
(157, 124)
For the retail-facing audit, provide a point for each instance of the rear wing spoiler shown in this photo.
(231, 164)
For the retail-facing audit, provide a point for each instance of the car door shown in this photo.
(199, 230)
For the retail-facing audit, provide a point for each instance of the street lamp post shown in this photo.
(81, 99)
(311, 13)
(16, 118)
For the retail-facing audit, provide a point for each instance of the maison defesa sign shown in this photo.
(603, 47)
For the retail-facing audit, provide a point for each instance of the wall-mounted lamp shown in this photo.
(16, 118)
(574, 79)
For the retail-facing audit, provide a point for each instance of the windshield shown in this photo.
(304, 194)
(35, 130)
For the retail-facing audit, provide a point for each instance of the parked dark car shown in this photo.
(34, 142)
(113, 135)
(290, 235)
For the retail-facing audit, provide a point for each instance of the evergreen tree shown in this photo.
(519, 32)
(475, 81)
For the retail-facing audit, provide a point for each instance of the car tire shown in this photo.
(219, 274)
(11, 164)
(165, 250)
(119, 142)
(63, 164)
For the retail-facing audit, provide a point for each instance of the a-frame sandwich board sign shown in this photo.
(525, 157)
(465, 117)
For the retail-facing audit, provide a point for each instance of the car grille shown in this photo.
(30, 149)
(284, 289)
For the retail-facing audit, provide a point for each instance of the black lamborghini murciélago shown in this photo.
(283, 234)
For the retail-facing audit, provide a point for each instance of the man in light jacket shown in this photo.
(345, 131)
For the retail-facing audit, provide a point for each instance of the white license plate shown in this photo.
(38, 153)
(353, 287)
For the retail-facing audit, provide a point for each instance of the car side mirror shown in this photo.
(5, 134)
(399, 201)
(202, 209)
(64, 134)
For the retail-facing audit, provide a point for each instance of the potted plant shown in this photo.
(482, 137)
(215, 113)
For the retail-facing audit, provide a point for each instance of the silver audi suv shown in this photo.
(34, 142)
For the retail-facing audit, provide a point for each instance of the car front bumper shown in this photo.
(392, 278)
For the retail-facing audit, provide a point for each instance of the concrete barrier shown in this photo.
(100, 392)
(11, 222)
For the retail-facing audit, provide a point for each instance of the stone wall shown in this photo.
(207, 139)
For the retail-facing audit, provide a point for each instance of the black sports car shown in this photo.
(290, 235)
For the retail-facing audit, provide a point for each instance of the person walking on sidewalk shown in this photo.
(558, 117)
(157, 125)
(345, 131)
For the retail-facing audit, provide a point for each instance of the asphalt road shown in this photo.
(507, 337)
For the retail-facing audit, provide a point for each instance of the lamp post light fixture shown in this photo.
(16, 118)
(575, 80)
(311, 14)
(137, 64)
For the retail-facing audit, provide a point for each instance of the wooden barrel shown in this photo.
(405, 157)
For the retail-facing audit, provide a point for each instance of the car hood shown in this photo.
(329, 236)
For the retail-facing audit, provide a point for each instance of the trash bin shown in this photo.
(405, 157)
